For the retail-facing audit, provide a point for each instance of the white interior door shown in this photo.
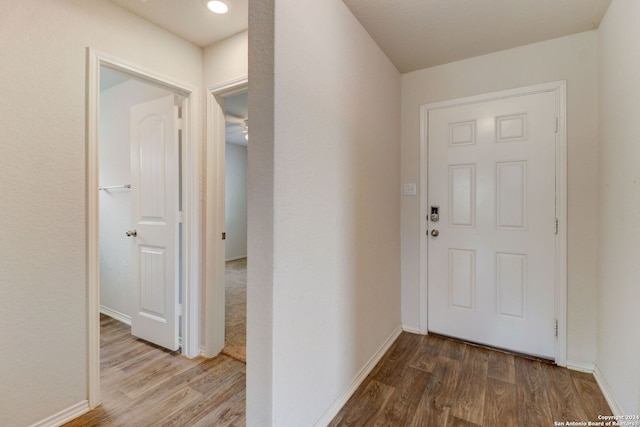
(491, 267)
(155, 192)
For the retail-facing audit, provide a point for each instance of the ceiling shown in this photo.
(236, 118)
(414, 34)
(417, 34)
(190, 19)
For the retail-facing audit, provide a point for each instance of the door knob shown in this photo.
(435, 233)
(131, 233)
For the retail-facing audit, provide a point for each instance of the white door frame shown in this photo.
(214, 315)
(192, 230)
(560, 88)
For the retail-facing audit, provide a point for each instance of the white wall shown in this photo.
(236, 201)
(619, 207)
(226, 60)
(572, 58)
(117, 285)
(43, 309)
(260, 215)
(333, 166)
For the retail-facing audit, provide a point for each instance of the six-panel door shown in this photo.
(491, 269)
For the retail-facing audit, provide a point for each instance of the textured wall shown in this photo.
(226, 60)
(335, 169)
(619, 207)
(43, 309)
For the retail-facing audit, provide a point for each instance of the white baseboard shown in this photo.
(335, 407)
(116, 315)
(65, 415)
(587, 367)
(411, 329)
(606, 391)
(235, 258)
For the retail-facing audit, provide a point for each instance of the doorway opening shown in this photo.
(236, 145)
(219, 121)
(120, 94)
(172, 254)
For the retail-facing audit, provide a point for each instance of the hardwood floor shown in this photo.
(421, 381)
(145, 385)
(432, 381)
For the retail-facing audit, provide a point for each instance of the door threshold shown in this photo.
(499, 349)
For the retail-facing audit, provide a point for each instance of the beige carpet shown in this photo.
(235, 342)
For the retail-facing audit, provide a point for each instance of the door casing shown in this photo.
(559, 88)
(192, 241)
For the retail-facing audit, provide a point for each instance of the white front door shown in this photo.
(155, 191)
(491, 253)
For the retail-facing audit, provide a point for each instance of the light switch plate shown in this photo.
(409, 189)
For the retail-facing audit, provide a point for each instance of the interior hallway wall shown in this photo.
(226, 60)
(574, 59)
(327, 148)
(619, 205)
(236, 201)
(43, 274)
(117, 284)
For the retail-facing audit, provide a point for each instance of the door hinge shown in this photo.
(557, 225)
(555, 327)
(557, 124)
(224, 236)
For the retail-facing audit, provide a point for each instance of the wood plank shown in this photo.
(154, 375)
(390, 369)
(229, 413)
(234, 383)
(427, 353)
(468, 403)
(225, 372)
(500, 406)
(564, 400)
(454, 349)
(458, 422)
(177, 402)
(368, 407)
(355, 398)
(502, 367)
(435, 405)
(405, 399)
(532, 400)
(590, 395)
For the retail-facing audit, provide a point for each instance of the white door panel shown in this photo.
(154, 170)
(491, 269)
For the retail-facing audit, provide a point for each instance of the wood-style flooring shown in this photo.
(432, 381)
(145, 385)
(420, 381)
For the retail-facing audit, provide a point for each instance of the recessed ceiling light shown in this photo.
(217, 6)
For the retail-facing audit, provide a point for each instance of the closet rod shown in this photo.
(113, 187)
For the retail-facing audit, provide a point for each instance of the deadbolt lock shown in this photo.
(435, 214)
